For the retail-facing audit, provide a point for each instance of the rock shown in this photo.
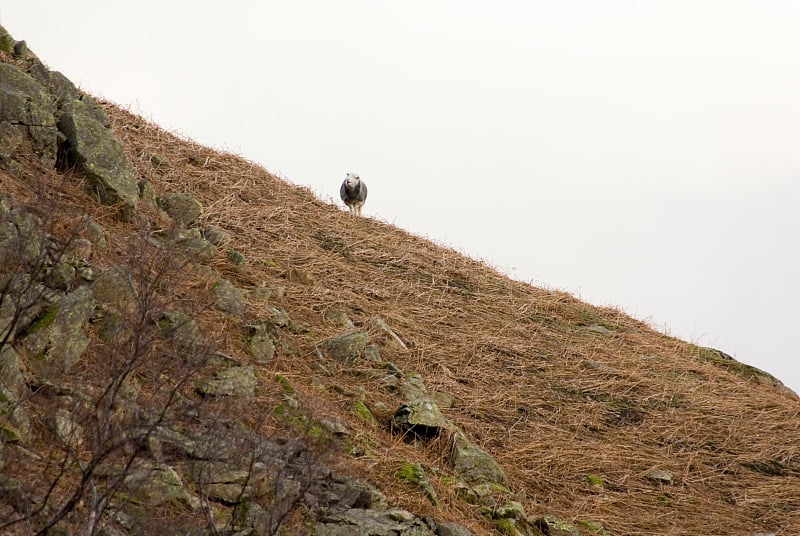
(421, 418)
(296, 275)
(238, 382)
(363, 412)
(21, 244)
(452, 529)
(12, 493)
(26, 107)
(114, 288)
(414, 474)
(10, 139)
(390, 334)
(11, 376)
(236, 258)
(181, 207)
(260, 345)
(419, 414)
(95, 233)
(191, 244)
(338, 318)
(660, 476)
(227, 297)
(160, 163)
(553, 526)
(277, 316)
(98, 156)
(219, 481)
(66, 429)
(181, 329)
(443, 400)
(346, 347)
(216, 235)
(56, 336)
(158, 484)
(14, 422)
(358, 522)
(472, 464)
(372, 353)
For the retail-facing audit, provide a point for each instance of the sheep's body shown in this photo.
(354, 193)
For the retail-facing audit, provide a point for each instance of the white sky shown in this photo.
(637, 153)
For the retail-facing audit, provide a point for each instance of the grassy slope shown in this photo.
(554, 401)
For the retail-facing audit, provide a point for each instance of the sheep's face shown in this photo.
(352, 181)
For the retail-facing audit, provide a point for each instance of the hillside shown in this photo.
(191, 345)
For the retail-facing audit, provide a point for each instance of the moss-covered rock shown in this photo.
(26, 106)
(182, 207)
(260, 345)
(363, 522)
(553, 526)
(414, 474)
(15, 425)
(227, 297)
(362, 411)
(472, 464)
(157, 484)
(346, 347)
(56, 336)
(114, 288)
(239, 382)
(98, 156)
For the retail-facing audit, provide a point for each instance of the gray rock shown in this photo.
(56, 336)
(553, 526)
(66, 429)
(14, 422)
(26, 106)
(95, 233)
(420, 417)
(338, 318)
(227, 297)
(11, 376)
(98, 156)
(219, 481)
(191, 243)
(277, 316)
(357, 522)
(158, 484)
(114, 288)
(181, 207)
(659, 475)
(472, 464)
(181, 329)
(238, 382)
(346, 347)
(216, 235)
(260, 345)
(452, 529)
(10, 139)
(419, 414)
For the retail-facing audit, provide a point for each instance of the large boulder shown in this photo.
(27, 117)
(56, 336)
(358, 522)
(98, 156)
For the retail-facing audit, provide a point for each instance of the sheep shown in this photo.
(354, 193)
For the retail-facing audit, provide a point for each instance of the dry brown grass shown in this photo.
(553, 401)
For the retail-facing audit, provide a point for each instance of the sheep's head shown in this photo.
(352, 181)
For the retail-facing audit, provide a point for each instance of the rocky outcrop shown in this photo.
(92, 149)
(41, 112)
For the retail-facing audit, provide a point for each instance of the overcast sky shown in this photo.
(639, 154)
